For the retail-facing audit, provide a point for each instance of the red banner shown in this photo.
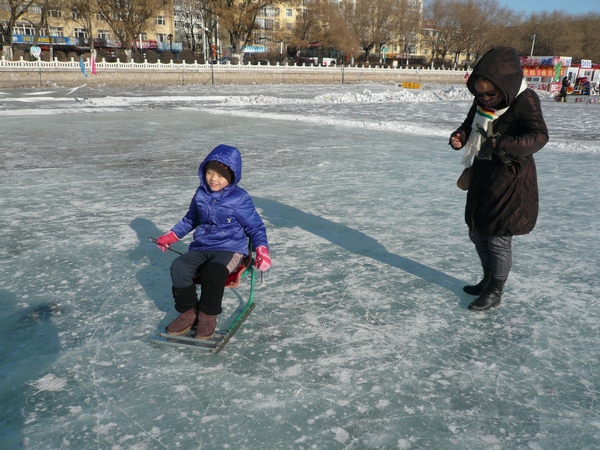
(538, 71)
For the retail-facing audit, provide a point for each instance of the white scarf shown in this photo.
(483, 118)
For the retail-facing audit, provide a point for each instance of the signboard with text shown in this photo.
(55, 40)
(255, 49)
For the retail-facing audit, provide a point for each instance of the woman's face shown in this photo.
(487, 93)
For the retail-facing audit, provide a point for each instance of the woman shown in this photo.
(502, 131)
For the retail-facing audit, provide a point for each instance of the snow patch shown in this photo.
(51, 383)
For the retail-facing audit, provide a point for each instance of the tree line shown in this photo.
(449, 28)
(452, 27)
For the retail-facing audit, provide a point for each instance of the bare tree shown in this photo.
(558, 34)
(468, 27)
(373, 22)
(587, 27)
(83, 13)
(310, 24)
(409, 25)
(130, 18)
(495, 24)
(192, 15)
(237, 18)
(465, 21)
(10, 13)
(337, 34)
(322, 22)
(438, 17)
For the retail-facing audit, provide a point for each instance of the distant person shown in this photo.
(564, 89)
(502, 131)
(224, 217)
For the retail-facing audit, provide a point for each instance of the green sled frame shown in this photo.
(221, 336)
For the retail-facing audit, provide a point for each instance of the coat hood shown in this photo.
(225, 154)
(501, 66)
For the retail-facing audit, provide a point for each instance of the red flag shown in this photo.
(93, 64)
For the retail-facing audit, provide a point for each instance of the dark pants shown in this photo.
(495, 253)
(212, 269)
(563, 94)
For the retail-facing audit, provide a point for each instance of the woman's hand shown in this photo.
(456, 141)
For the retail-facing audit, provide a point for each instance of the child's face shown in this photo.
(215, 181)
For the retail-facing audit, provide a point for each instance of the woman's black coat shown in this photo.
(503, 197)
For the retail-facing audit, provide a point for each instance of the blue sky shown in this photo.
(572, 7)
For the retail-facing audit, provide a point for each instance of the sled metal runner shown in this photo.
(221, 336)
(215, 344)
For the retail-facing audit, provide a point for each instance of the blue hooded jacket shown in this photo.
(223, 220)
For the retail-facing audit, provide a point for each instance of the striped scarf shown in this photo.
(484, 117)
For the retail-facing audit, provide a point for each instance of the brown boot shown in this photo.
(206, 326)
(183, 323)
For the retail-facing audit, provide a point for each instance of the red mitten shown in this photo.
(262, 261)
(166, 239)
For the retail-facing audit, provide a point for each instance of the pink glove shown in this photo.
(166, 239)
(262, 261)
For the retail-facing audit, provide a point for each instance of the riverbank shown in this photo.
(25, 74)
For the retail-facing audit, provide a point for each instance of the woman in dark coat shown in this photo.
(502, 131)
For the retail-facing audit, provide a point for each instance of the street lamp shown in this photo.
(170, 38)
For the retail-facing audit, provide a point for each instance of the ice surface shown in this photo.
(360, 339)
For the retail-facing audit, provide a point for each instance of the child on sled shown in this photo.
(223, 217)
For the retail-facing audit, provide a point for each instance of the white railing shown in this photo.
(74, 64)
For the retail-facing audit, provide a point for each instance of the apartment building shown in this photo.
(73, 32)
(178, 27)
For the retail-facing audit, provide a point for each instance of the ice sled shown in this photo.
(224, 333)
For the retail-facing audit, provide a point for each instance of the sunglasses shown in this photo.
(490, 94)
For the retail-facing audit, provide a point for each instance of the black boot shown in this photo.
(477, 289)
(491, 296)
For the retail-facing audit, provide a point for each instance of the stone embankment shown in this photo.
(28, 74)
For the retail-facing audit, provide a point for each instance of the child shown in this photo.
(223, 217)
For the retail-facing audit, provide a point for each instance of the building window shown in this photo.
(24, 29)
(161, 37)
(289, 13)
(54, 13)
(160, 20)
(56, 31)
(268, 11)
(104, 35)
(75, 15)
(80, 33)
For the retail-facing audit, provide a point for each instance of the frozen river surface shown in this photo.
(361, 338)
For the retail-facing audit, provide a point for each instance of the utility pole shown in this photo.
(532, 44)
